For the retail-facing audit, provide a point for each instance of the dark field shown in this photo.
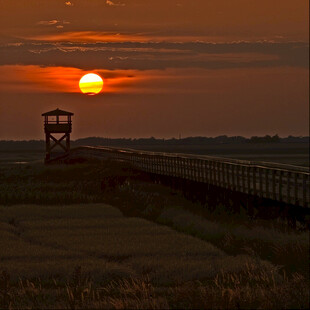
(66, 243)
(20, 157)
(287, 153)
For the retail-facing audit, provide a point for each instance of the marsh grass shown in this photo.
(126, 263)
(195, 258)
(225, 291)
(270, 240)
(290, 250)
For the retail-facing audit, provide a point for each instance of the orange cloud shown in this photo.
(111, 3)
(36, 79)
(89, 36)
(53, 22)
(96, 36)
(48, 22)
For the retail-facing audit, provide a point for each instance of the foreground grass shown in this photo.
(127, 263)
(43, 241)
(225, 291)
(58, 249)
(233, 233)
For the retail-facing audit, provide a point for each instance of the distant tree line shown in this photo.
(265, 139)
(39, 145)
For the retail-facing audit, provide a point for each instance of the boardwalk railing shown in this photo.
(284, 183)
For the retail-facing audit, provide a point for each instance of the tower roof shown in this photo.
(57, 112)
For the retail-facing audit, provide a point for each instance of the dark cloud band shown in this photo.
(161, 55)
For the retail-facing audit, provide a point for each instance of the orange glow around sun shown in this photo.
(91, 84)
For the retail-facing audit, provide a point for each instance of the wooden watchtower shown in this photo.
(57, 122)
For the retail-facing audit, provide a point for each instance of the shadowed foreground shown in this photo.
(119, 262)
(63, 245)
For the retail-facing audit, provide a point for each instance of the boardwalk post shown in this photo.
(280, 185)
(224, 175)
(238, 178)
(211, 164)
(261, 190)
(274, 192)
(288, 187)
(218, 167)
(304, 190)
(188, 168)
(249, 179)
(214, 172)
(267, 182)
(243, 178)
(204, 171)
(149, 167)
(233, 176)
(163, 164)
(191, 170)
(296, 188)
(199, 170)
(254, 181)
(207, 171)
(175, 166)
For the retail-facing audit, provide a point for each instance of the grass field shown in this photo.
(45, 241)
(44, 244)
(286, 153)
(64, 246)
(20, 157)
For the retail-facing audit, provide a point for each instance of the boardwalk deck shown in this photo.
(284, 183)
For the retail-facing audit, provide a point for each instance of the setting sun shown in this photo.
(91, 84)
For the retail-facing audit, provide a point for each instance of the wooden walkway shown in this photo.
(283, 183)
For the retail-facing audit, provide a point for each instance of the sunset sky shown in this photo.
(170, 67)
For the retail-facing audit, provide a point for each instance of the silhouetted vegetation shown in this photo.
(265, 139)
(290, 150)
(11, 145)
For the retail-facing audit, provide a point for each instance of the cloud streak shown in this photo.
(54, 79)
(156, 56)
(48, 22)
(53, 22)
(111, 3)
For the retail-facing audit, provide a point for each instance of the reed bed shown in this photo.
(63, 246)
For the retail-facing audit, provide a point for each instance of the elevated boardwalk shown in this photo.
(279, 182)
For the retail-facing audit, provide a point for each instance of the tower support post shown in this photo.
(59, 124)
